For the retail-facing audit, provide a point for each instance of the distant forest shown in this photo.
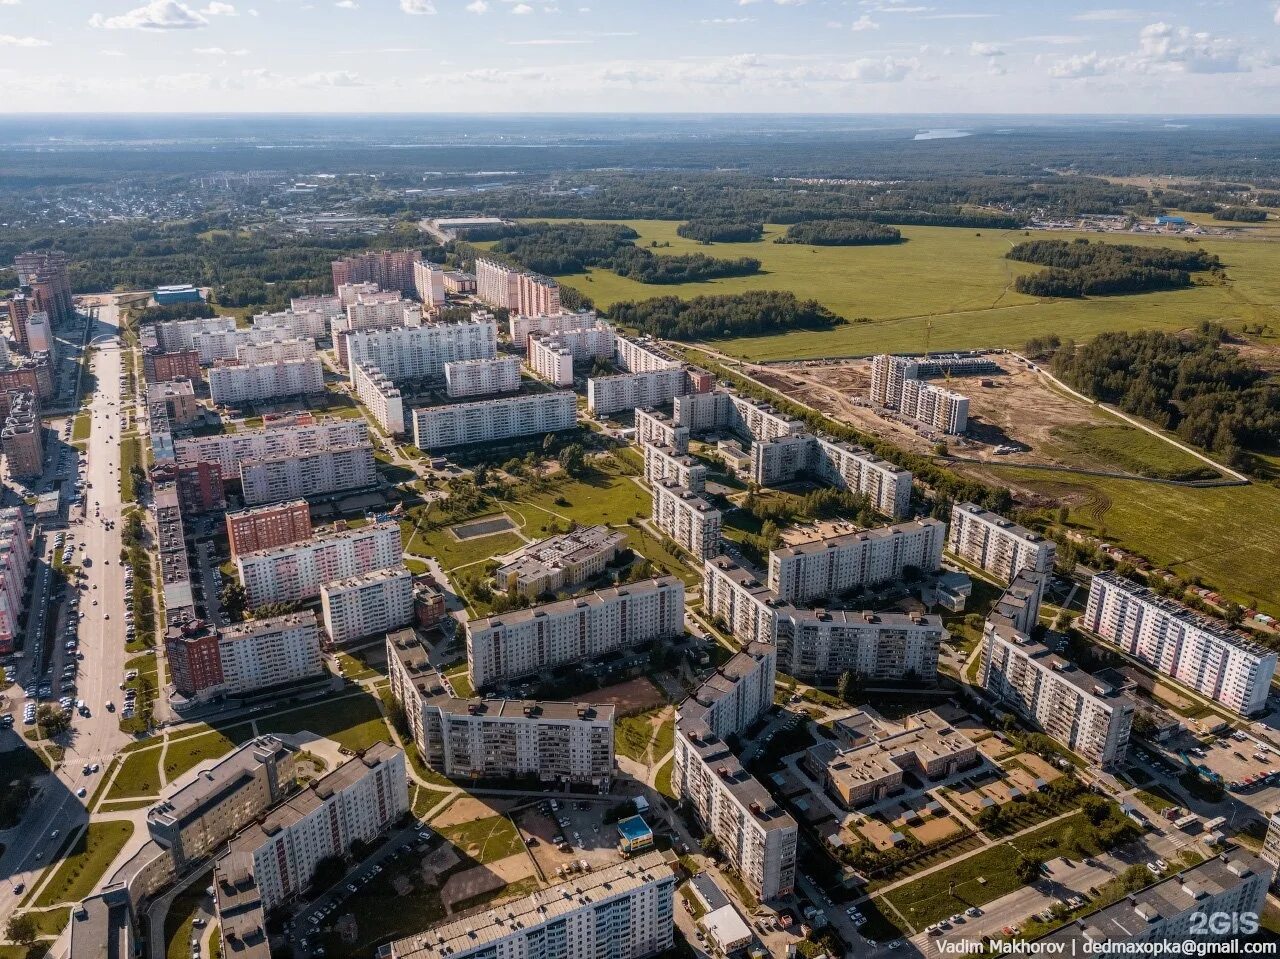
(841, 233)
(753, 313)
(1081, 268)
(720, 231)
(1208, 395)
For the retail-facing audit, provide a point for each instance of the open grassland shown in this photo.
(1119, 446)
(960, 278)
(352, 721)
(485, 840)
(84, 863)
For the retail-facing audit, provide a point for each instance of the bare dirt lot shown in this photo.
(470, 883)
(470, 809)
(598, 844)
(633, 696)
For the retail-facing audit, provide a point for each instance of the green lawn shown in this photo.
(453, 553)
(51, 922)
(353, 721)
(80, 426)
(178, 921)
(1118, 446)
(139, 776)
(632, 736)
(130, 456)
(82, 867)
(461, 680)
(485, 840)
(184, 754)
(424, 800)
(662, 781)
(657, 552)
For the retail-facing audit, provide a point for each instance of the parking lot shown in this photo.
(568, 834)
(1245, 765)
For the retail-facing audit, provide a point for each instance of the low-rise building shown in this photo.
(487, 421)
(363, 605)
(559, 562)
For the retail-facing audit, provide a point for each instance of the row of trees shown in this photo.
(1210, 396)
(707, 230)
(1081, 268)
(841, 233)
(1240, 214)
(753, 313)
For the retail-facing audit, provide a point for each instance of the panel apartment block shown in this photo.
(285, 436)
(380, 397)
(821, 645)
(265, 527)
(298, 323)
(22, 436)
(658, 428)
(486, 421)
(528, 641)
(624, 911)
(421, 352)
(687, 518)
(389, 269)
(521, 326)
(240, 659)
(553, 356)
(235, 382)
(286, 574)
(997, 545)
(839, 465)
(827, 568)
(1204, 655)
(551, 360)
(481, 377)
(737, 694)
(179, 335)
(15, 563)
(662, 463)
(735, 596)
(626, 391)
(318, 473)
(521, 292)
(757, 836)
(368, 604)
(428, 283)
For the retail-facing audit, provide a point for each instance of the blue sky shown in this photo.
(988, 56)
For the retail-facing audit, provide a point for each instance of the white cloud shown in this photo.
(979, 49)
(112, 53)
(789, 3)
(478, 6)
(522, 9)
(1161, 44)
(418, 7)
(347, 4)
(8, 3)
(885, 70)
(219, 52)
(893, 6)
(547, 43)
(1111, 15)
(156, 15)
(1081, 65)
(728, 21)
(864, 22)
(1053, 39)
(9, 40)
(218, 9)
(1277, 17)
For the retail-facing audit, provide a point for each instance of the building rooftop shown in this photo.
(597, 598)
(740, 784)
(316, 541)
(726, 926)
(366, 579)
(538, 559)
(724, 680)
(995, 519)
(840, 542)
(1095, 684)
(256, 627)
(211, 786)
(925, 738)
(102, 925)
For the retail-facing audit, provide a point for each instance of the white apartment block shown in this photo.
(553, 356)
(235, 382)
(328, 304)
(428, 283)
(736, 694)
(827, 568)
(1173, 910)
(944, 410)
(551, 360)
(486, 421)
(290, 437)
(1204, 655)
(662, 463)
(687, 518)
(659, 429)
(285, 574)
(997, 545)
(840, 465)
(349, 293)
(821, 645)
(275, 859)
(528, 641)
(179, 335)
(521, 326)
(217, 345)
(736, 597)
(719, 411)
(644, 355)
(276, 351)
(421, 352)
(481, 377)
(15, 563)
(626, 391)
(296, 323)
(516, 290)
(756, 835)
(363, 605)
(380, 397)
(624, 911)
(269, 652)
(302, 475)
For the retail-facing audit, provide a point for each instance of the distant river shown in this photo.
(941, 134)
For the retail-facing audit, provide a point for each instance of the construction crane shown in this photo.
(928, 333)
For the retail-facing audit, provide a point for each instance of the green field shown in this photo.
(84, 864)
(1119, 446)
(139, 775)
(957, 276)
(485, 840)
(184, 754)
(353, 721)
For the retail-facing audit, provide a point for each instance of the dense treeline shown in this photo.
(573, 247)
(1081, 268)
(1240, 214)
(841, 233)
(756, 312)
(1208, 395)
(720, 231)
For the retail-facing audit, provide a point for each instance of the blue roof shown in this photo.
(634, 828)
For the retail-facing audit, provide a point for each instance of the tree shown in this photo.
(52, 720)
(1233, 613)
(573, 459)
(233, 599)
(22, 929)
(1028, 869)
(847, 686)
(710, 845)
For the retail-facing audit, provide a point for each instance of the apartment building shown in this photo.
(1205, 655)
(178, 335)
(827, 568)
(288, 435)
(47, 275)
(559, 562)
(755, 834)
(528, 641)
(370, 310)
(220, 801)
(237, 382)
(272, 479)
(721, 411)
(389, 269)
(522, 293)
(299, 323)
(286, 574)
(521, 326)
(997, 545)
(821, 645)
(839, 465)
(553, 356)
(369, 603)
(657, 428)
(687, 518)
(349, 293)
(15, 564)
(486, 421)
(175, 571)
(469, 739)
(735, 596)
(421, 352)
(926, 746)
(735, 695)
(896, 384)
(380, 397)
(327, 304)
(266, 527)
(159, 366)
(481, 377)
(643, 355)
(178, 398)
(663, 464)
(21, 437)
(1172, 910)
(275, 350)
(428, 283)
(624, 911)
(1270, 852)
(240, 659)
(274, 860)
(551, 360)
(40, 338)
(33, 372)
(627, 391)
